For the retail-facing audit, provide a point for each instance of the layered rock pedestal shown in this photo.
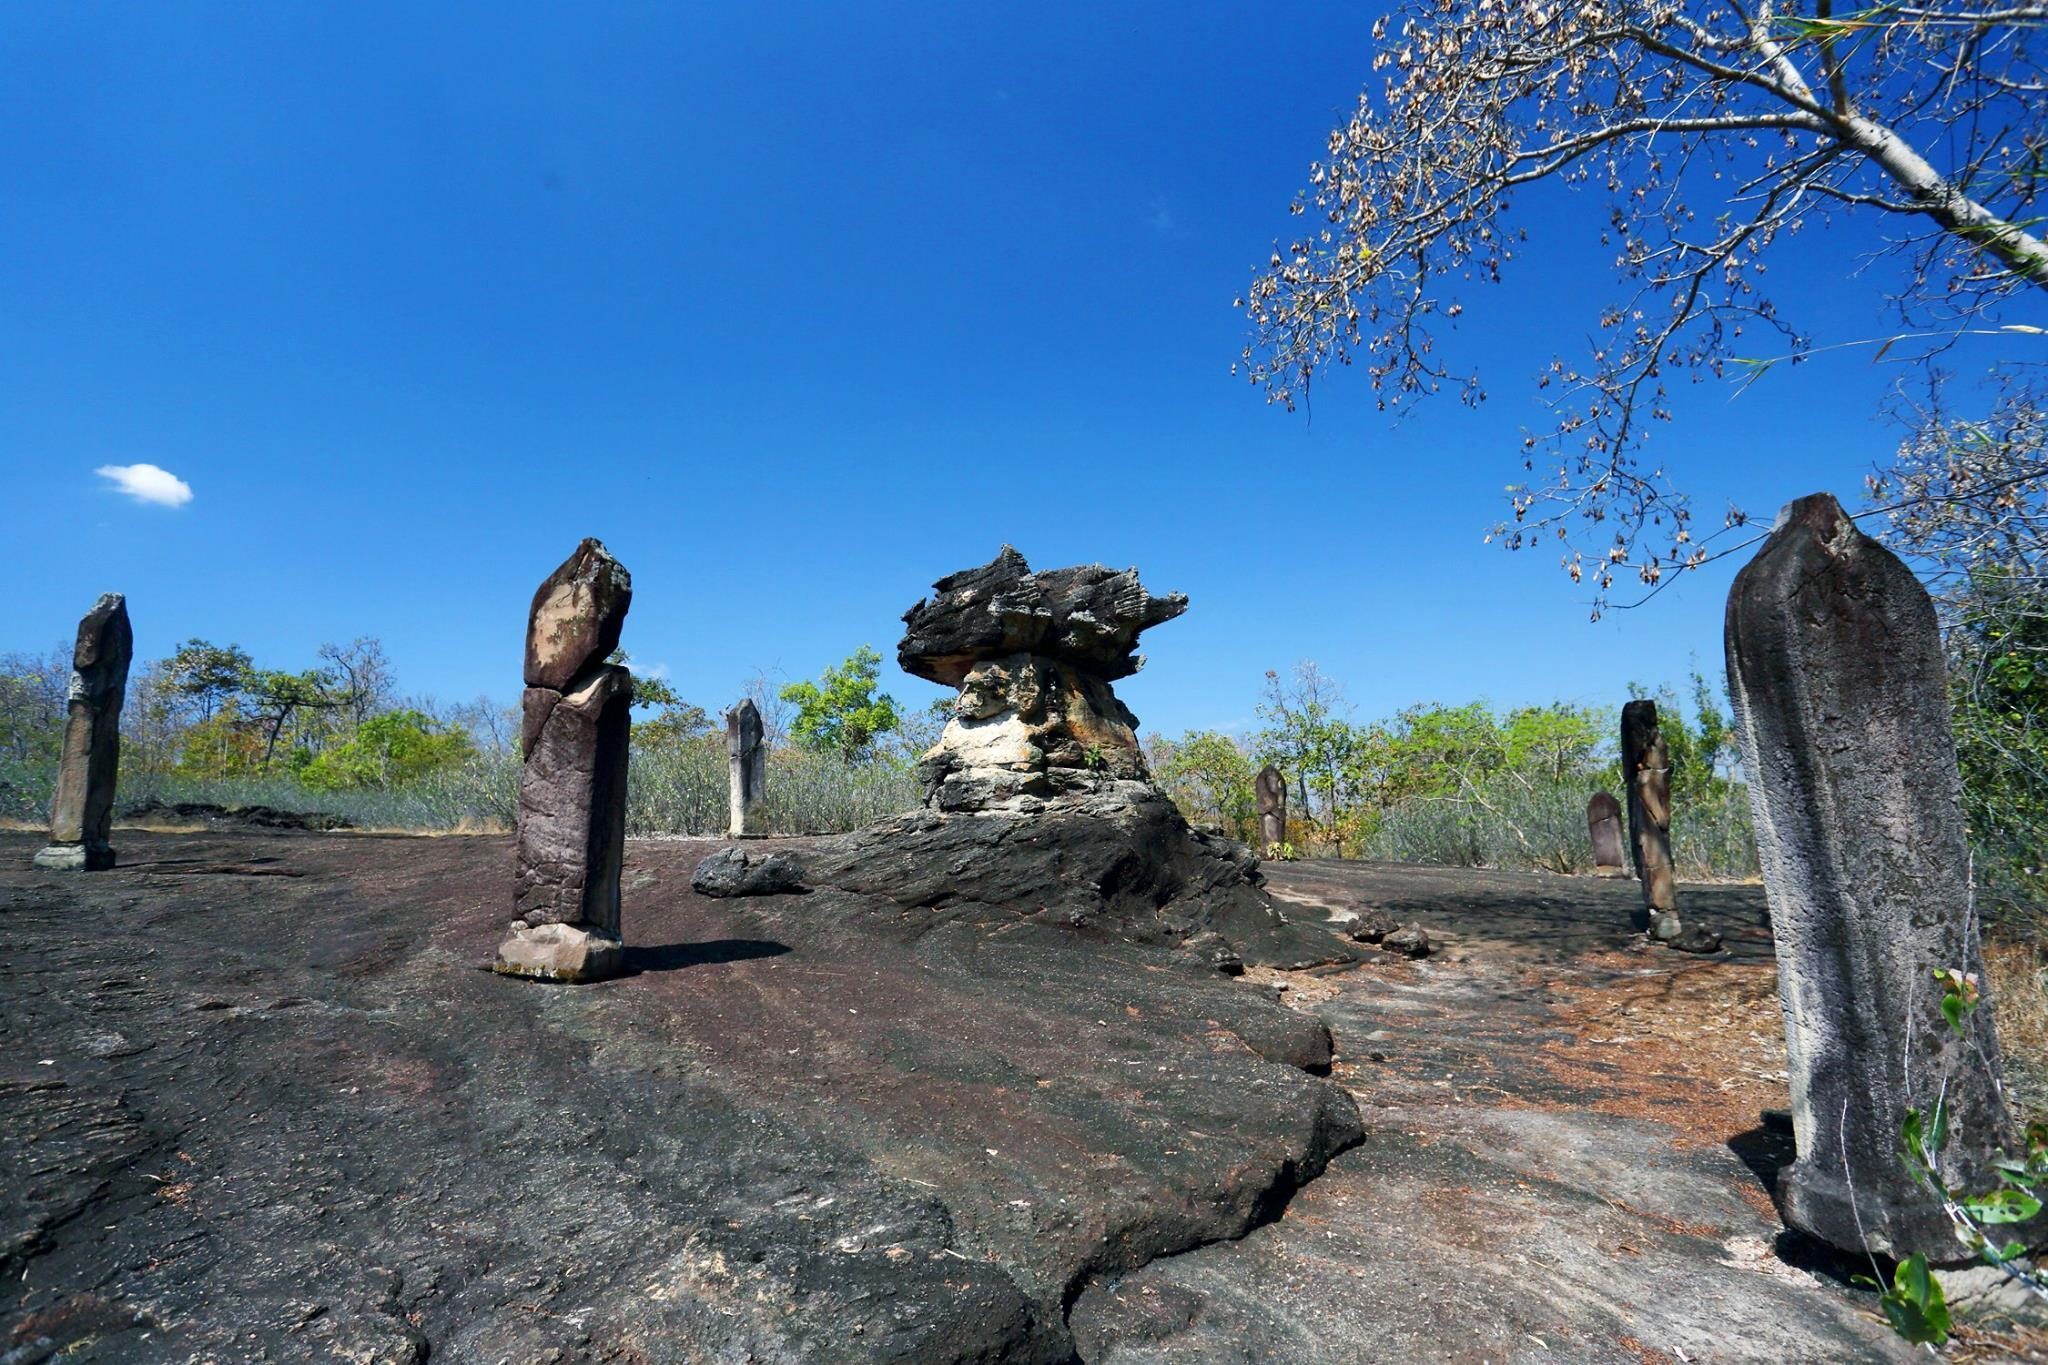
(1039, 805)
(82, 813)
(1603, 825)
(1271, 790)
(1841, 702)
(1646, 769)
(746, 751)
(575, 723)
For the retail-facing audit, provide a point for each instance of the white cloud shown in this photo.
(147, 483)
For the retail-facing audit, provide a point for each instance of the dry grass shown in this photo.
(2019, 999)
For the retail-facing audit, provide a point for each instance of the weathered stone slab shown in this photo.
(1603, 823)
(576, 617)
(1270, 787)
(746, 751)
(1841, 700)
(81, 815)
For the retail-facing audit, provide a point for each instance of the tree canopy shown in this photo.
(1717, 130)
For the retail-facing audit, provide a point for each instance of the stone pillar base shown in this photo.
(560, 952)
(1819, 1203)
(76, 858)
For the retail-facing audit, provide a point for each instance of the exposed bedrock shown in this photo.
(788, 1131)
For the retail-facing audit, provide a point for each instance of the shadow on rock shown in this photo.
(669, 957)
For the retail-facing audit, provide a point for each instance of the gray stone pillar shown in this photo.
(83, 811)
(746, 751)
(1603, 823)
(575, 725)
(1271, 787)
(1841, 699)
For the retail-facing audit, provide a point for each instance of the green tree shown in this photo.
(842, 712)
(394, 749)
(1209, 776)
(207, 675)
(1308, 736)
(1715, 130)
(1998, 648)
(32, 696)
(669, 720)
(1556, 741)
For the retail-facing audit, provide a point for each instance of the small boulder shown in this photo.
(731, 872)
(1372, 925)
(1215, 951)
(1409, 940)
(559, 952)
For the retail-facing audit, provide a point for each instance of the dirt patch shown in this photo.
(1701, 1048)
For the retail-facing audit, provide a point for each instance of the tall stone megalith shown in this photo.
(1603, 825)
(746, 751)
(575, 724)
(83, 812)
(1271, 789)
(1841, 702)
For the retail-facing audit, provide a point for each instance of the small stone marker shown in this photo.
(1841, 701)
(1271, 787)
(575, 723)
(747, 753)
(1603, 822)
(83, 811)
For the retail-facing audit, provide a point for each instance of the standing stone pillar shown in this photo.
(746, 750)
(1603, 823)
(1272, 793)
(1646, 775)
(575, 723)
(83, 811)
(1841, 700)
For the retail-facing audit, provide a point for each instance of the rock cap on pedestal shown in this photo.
(577, 616)
(1087, 616)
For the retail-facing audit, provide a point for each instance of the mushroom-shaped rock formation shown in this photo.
(1033, 655)
(1040, 808)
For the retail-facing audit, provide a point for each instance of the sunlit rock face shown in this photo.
(1033, 655)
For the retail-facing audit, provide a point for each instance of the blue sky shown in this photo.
(797, 307)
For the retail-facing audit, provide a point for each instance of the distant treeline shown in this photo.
(1464, 785)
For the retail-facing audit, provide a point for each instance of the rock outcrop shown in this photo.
(82, 814)
(1841, 701)
(575, 722)
(1040, 810)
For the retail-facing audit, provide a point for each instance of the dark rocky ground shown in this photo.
(262, 1101)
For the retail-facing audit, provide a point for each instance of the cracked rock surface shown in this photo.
(269, 1104)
